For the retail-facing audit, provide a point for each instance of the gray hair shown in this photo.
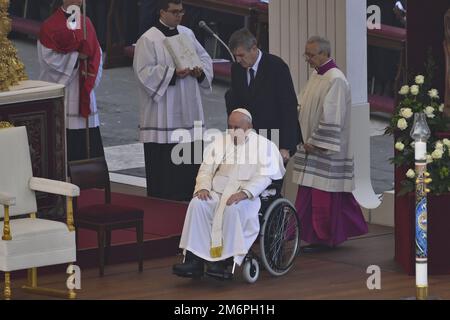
(242, 38)
(324, 44)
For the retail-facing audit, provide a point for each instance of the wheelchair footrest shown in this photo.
(223, 276)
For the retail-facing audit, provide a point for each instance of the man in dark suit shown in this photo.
(262, 83)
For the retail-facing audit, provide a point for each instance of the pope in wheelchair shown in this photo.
(223, 219)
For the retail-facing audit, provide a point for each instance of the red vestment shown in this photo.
(56, 35)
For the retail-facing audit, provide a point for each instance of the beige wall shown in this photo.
(292, 22)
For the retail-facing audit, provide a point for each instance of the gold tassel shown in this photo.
(216, 252)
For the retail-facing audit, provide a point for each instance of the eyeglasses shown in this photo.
(177, 13)
(309, 56)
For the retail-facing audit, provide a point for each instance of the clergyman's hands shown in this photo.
(182, 73)
(285, 155)
(236, 198)
(204, 195)
(196, 72)
(309, 148)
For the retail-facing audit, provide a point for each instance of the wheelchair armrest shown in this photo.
(54, 187)
(7, 199)
(276, 185)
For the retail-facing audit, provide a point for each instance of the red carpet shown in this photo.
(163, 224)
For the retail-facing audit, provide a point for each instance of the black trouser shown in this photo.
(165, 179)
(76, 144)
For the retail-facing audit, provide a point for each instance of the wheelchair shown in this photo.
(278, 239)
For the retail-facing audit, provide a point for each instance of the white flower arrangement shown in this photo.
(411, 174)
(406, 113)
(429, 111)
(404, 90)
(446, 142)
(420, 79)
(433, 94)
(399, 146)
(437, 154)
(420, 97)
(415, 90)
(402, 124)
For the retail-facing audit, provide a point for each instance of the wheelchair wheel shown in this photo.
(279, 237)
(251, 270)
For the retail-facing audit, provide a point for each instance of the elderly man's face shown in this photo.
(246, 58)
(238, 127)
(314, 56)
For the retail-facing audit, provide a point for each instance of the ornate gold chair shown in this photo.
(29, 242)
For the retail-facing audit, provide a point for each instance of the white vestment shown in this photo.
(165, 108)
(325, 121)
(228, 169)
(62, 68)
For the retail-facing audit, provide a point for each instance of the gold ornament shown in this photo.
(12, 70)
(5, 125)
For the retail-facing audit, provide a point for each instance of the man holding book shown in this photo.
(171, 66)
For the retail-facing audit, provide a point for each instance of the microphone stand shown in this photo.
(88, 139)
(226, 47)
(204, 26)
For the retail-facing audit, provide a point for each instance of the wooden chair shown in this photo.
(104, 217)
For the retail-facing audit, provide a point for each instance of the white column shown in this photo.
(343, 22)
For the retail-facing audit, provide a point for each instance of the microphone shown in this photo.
(202, 24)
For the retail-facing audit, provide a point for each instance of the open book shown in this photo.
(182, 51)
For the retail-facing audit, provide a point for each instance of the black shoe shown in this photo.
(193, 267)
(218, 270)
(315, 248)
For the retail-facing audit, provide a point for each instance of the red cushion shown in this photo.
(222, 69)
(261, 6)
(250, 3)
(26, 26)
(382, 103)
(108, 213)
(390, 32)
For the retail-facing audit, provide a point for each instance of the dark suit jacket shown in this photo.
(271, 100)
